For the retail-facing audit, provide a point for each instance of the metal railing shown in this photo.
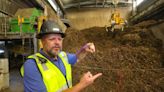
(4, 25)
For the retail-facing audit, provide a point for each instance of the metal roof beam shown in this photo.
(96, 3)
(59, 2)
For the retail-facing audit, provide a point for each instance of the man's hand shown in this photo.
(88, 79)
(89, 47)
(85, 81)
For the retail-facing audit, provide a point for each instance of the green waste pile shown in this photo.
(131, 61)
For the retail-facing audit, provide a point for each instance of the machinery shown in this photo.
(25, 20)
(28, 20)
(116, 21)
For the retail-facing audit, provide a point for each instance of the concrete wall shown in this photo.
(158, 31)
(90, 17)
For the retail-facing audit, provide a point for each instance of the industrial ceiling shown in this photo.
(78, 4)
(92, 3)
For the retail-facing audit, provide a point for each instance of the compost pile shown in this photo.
(131, 61)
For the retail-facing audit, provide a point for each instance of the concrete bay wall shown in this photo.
(90, 17)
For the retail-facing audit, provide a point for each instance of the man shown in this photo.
(50, 69)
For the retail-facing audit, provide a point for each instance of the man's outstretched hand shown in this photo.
(89, 47)
(88, 78)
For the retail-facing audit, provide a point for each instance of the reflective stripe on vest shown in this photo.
(53, 78)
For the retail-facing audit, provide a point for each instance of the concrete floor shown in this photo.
(16, 83)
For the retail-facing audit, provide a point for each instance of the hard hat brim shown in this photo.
(40, 35)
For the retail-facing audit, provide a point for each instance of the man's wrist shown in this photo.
(80, 51)
(80, 87)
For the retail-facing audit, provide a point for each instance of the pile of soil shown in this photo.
(146, 23)
(131, 61)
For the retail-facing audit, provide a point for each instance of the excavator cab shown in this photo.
(117, 23)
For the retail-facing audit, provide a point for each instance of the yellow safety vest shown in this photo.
(53, 78)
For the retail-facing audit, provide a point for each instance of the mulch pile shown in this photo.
(131, 61)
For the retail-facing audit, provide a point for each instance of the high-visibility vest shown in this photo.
(53, 78)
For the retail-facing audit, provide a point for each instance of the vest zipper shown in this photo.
(66, 80)
(63, 74)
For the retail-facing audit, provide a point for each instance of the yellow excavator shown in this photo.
(40, 22)
(116, 21)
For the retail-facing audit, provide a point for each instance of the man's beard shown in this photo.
(53, 53)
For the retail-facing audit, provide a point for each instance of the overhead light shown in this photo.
(53, 4)
(1, 51)
(139, 2)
